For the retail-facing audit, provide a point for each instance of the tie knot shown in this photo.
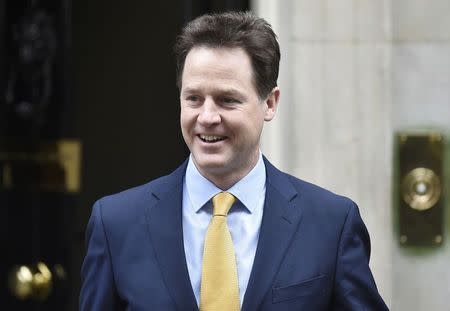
(222, 203)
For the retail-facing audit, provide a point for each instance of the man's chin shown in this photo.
(210, 166)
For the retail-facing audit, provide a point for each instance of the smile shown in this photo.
(211, 138)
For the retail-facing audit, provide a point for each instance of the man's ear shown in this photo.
(272, 103)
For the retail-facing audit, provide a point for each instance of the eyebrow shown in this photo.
(189, 90)
(226, 92)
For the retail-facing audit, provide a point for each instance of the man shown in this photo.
(227, 230)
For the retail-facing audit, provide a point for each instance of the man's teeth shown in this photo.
(211, 138)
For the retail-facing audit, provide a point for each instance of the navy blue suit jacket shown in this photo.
(312, 254)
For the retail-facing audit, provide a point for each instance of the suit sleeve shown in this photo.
(355, 287)
(97, 289)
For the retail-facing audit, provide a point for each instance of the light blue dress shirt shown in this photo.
(244, 220)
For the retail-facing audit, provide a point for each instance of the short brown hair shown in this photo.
(234, 30)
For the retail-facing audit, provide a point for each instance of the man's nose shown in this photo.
(209, 115)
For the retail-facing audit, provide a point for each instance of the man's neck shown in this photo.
(225, 180)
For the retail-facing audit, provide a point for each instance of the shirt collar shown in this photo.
(248, 190)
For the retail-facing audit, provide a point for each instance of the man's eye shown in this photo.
(229, 100)
(193, 98)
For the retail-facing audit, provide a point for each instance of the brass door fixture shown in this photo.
(34, 282)
(421, 188)
(53, 166)
(420, 183)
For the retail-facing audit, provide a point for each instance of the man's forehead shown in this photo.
(224, 70)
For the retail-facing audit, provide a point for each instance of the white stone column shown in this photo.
(276, 139)
(334, 122)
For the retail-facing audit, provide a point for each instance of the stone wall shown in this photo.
(353, 72)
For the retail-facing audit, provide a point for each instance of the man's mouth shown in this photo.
(211, 138)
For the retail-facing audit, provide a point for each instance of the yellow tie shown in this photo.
(219, 288)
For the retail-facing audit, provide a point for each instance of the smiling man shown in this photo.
(222, 114)
(227, 230)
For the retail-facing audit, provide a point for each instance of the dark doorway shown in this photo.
(122, 106)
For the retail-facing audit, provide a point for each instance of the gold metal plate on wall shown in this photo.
(51, 167)
(420, 199)
(421, 188)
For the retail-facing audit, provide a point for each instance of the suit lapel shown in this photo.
(165, 227)
(280, 221)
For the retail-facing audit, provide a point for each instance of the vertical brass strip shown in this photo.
(7, 176)
(69, 157)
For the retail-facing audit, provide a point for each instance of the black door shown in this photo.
(109, 120)
(39, 156)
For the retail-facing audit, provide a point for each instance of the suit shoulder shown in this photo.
(132, 194)
(316, 196)
(130, 203)
(321, 198)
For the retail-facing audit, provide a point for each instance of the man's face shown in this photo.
(221, 114)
